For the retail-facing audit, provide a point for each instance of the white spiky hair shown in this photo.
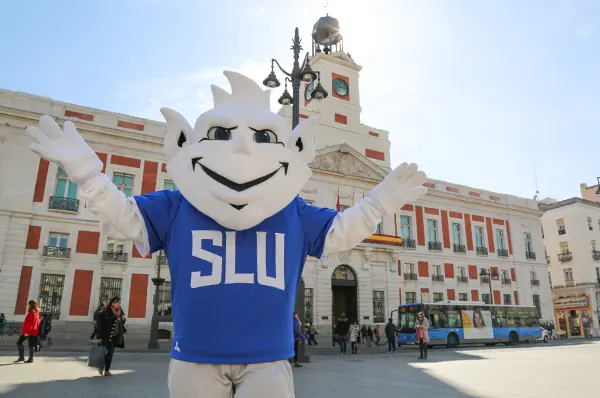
(244, 91)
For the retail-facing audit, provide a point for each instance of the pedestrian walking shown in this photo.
(29, 331)
(95, 322)
(2, 324)
(44, 331)
(333, 335)
(298, 337)
(312, 333)
(377, 335)
(341, 330)
(353, 335)
(111, 329)
(363, 333)
(369, 336)
(422, 335)
(390, 334)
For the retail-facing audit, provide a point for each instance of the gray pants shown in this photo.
(259, 380)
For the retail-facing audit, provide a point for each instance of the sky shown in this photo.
(479, 93)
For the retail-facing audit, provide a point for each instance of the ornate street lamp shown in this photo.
(490, 274)
(300, 73)
(158, 281)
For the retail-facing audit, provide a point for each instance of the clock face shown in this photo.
(308, 91)
(340, 87)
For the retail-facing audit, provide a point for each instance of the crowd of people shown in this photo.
(345, 331)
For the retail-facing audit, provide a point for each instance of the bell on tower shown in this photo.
(326, 33)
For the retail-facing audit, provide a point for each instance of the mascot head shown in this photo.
(240, 164)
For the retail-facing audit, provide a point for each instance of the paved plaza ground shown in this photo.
(539, 370)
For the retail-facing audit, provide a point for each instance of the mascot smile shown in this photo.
(235, 232)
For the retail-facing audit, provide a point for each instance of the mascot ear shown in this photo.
(303, 139)
(179, 132)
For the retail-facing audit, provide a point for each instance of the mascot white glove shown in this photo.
(403, 185)
(66, 148)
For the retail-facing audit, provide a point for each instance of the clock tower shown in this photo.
(340, 111)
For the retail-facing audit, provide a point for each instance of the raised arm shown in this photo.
(82, 165)
(404, 184)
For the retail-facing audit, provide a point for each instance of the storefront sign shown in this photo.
(566, 302)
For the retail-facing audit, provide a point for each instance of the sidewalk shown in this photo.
(8, 343)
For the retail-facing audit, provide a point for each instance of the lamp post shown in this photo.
(598, 190)
(300, 73)
(158, 281)
(489, 273)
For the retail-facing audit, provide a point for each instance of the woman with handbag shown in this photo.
(422, 335)
(29, 331)
(111, 328)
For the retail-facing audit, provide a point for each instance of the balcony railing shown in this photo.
(562, 231)
(63, 204)
(410, 276)
(56, 252)
(565, 256)
(161, 259)
(435, 246)
(529, 255)
(535, 282)
(502, 253)
(460, 248)
(409, 243)
(547, 259)
(114, 257)
(506, 281)
(481, 251)
(484, 279)
(462, 279)
(437, 278)
(596, 255)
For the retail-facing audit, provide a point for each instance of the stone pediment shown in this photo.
(344, 160)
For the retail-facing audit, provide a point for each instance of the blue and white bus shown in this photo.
(461, 322)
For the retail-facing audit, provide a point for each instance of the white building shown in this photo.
(51, 247)
(571, 234)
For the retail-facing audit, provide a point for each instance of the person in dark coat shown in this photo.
(298, 337)
(341, 329)
(44, 331)
(111, 328)
(390, 334)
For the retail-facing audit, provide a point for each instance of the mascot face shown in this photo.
(241, 163)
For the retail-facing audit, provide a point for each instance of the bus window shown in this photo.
(454, 318)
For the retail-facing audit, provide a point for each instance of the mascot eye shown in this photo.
(219, 133)
(265, 137)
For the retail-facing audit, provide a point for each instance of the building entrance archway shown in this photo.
(344, 293)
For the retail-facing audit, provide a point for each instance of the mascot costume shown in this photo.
(235, 232)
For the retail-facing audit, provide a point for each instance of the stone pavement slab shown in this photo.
(524, 371)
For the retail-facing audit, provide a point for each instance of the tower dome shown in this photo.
(326, 32)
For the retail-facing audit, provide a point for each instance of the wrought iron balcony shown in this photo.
(502, 253)
(562, 231)
(565, 256)
(481, 251)
(161, 259)
(462, 279)
(529, 255)
(596, 255)
(409, 243)
(114, 257)
(506, 281)
(437, 278)
(435, 246)
(56, 252)
(484, 279)
(547, 259)
(410, 276)
(460, 248)
(535, 282)
(63, 204)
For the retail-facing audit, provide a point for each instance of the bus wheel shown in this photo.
(513, 338)
(452, 340)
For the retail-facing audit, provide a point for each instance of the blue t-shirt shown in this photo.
(233, 292)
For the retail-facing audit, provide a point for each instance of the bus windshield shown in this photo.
(407, 317)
